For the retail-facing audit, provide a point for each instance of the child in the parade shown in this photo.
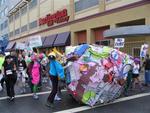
(22, 73)
(35, 75)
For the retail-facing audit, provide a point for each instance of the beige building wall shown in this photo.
(11, 26)
(112, 19)
(118, 3)
(24, 19)
(87, 12)
(55, 31)
(17, 23)
(45, 7)
(60, 4)
(33, 14)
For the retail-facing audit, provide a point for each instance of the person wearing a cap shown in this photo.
(56, 70)
(10, 76)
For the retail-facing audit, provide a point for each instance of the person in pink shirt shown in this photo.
(35, 73)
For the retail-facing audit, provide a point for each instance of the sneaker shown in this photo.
(35, 96)
(12, 98)
(48, 104)
(21, 92)
(57, 98)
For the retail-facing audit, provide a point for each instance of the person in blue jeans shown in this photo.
(146, 65)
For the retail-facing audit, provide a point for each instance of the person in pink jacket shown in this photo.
(35, 76)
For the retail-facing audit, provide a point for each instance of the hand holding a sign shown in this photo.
(119, 42)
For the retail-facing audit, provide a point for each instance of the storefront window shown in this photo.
(136, 52)
(23, 28)
(33, 25)
(17, 15)
(24, 10)
(17, 31)
(11, 33)
(10, 18)
(84, 4)
(107, 1)
(32, 4)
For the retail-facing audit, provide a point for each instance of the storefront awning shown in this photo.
(43, 39)
(139, 30)
(63, 39)
(49, 41)
(10, 46)
(19, 46)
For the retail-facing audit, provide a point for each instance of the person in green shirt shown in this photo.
(2, 59)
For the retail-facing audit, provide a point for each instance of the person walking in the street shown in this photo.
(35, 76)
(128, 84)
(22, 73)
(146, 65)
(29, 72)
(136, 73)
(56, 70)
(2, 79)
(10, 76)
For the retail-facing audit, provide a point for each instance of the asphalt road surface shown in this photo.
(136, 102)
(26, 104)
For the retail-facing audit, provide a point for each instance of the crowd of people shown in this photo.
(133, 77)
(33, 70)
(16, 69)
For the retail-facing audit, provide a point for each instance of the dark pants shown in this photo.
(128, 82)
(2, 82)
(54, 80)
(147, 76)
(10, 83)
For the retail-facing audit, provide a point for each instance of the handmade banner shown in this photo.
(144, 50)
(35, 41)
(20, 46)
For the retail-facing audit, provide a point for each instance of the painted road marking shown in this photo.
(83, 108)
(27, 95)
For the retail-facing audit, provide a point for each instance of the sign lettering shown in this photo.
(58, 17)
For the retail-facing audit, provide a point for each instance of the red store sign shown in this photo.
(58, 17)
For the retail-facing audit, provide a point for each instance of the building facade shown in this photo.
(73, 22)
(5, 6)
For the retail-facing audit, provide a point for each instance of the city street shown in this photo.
(75, 56)
(136, 102)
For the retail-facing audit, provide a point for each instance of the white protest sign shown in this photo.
(35, 41)
(20, 46)
(119, 42)
(144, 49)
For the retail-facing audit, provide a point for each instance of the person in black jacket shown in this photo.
(146, 65)
(10, 76)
